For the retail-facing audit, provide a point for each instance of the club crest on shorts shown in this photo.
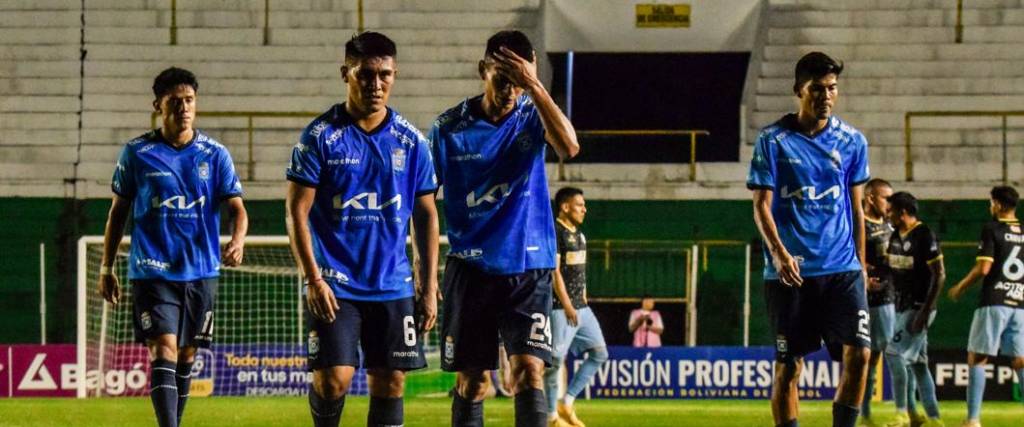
(398, 159)
(146, 320)
(314, 344)
(204, 170)
(449, 349)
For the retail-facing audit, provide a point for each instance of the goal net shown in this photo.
(259, 331)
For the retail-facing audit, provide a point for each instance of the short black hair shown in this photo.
(513, 40)
(903, 202)
(369, 44)
(876, 183)
(170, 78)
(564, 194)
(1006, 196)
(815, 65)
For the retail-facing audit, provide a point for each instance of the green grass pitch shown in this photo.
(423, 412)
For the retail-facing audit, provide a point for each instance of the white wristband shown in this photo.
(106, 270)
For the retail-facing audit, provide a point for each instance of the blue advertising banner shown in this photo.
(706, 373)
(257, 370)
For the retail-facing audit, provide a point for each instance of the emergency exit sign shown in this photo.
(663, 16)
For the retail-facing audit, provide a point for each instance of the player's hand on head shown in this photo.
(521, 71)
(233, 254)
(110, 288)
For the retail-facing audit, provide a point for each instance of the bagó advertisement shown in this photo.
(38, 370)
(224, 370)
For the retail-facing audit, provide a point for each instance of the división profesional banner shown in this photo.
(746, 373)
(706, 373)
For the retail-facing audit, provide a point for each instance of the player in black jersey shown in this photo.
(998, 325)
(915, 260)
(881, 294)
(573, 325)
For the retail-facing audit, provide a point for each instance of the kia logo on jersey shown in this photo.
(178, 202)
(367, 201)
(811, 193)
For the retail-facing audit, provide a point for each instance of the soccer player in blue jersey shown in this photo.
(172, 182)
(998, 325)
(358, 174)
(490, 155)
(807, 175)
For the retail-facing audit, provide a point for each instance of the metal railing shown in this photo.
(174, 22)
(266, 21)
(959, 29)
(250, 128)
(693, 133)
(908, 161)
(694, 256)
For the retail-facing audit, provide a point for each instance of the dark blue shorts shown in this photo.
(183, 309)
(384, 330)
(478, 306)
(833, 308)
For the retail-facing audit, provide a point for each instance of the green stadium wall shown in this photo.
(59, 222)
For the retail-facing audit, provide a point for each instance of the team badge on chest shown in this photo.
(398, 159)
(523, 141)
(204, 170)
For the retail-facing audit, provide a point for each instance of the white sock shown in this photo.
(567, 400)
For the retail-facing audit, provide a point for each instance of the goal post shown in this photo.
(259, 329)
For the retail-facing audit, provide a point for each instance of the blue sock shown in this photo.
(183, 381)
(551, 383)
(898, 370)
(869, 390)
(164, 392)
(595, 358)
(326, 413)
(844, 415)
(911, 390)
(790, 423)
(385, 412)
(926, 385)
(975, 391)
(467, 413)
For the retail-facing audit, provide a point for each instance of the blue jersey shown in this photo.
(366, 185)
(175, 195)
(811, 179)
(495, 188)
